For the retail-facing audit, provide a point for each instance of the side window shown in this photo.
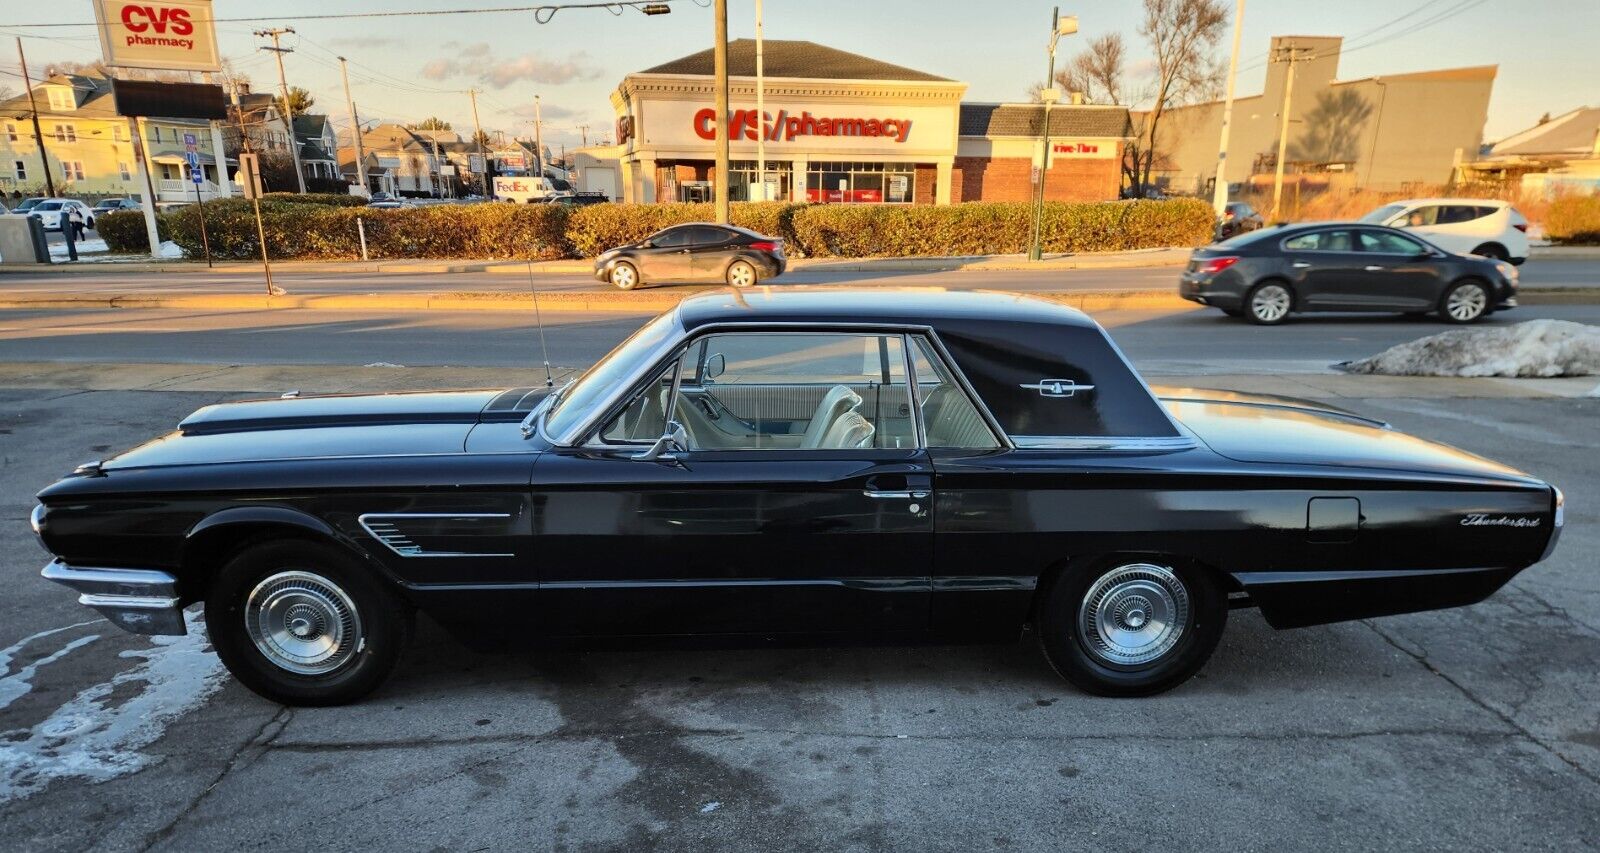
(1481, 212)
(1320, 241)
(1452, 213)
(704, 235)
(644, 419)
(672, 239)
(1420, 217)
(1385, 243)
(948, 415)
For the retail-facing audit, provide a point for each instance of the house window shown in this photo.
(11, 132)
(155, 133)
(66, 133)
(124, 171)
(62, 99)
(73, 169)
(21, 169)
(119, 133)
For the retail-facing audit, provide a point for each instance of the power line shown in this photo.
(542, 13)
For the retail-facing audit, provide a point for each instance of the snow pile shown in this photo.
(84, 247)
(1533, 348)
(170, 249)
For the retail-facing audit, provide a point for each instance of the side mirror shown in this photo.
(673, 441)
(715, 365)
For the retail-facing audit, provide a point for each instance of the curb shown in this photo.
(634, 302)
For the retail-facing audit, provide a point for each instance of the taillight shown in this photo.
(1212, 266)
(766, 245)
(1520, 226)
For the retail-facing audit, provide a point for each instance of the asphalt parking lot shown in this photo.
(1476, 728)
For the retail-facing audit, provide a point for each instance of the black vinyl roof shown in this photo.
(1065, 120)
(782, 58)
(907, 306)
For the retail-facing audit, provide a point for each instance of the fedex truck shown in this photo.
(524, 190)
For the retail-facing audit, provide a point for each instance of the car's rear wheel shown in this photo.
(624, 276)
(1129, 626)
(1493, 251)
(742, 274)
(1465, 302)
(1268, 303)
(302, 623)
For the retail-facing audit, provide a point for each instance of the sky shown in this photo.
(407, 68)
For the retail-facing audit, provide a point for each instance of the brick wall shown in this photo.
(925, 189)
(1010, 178)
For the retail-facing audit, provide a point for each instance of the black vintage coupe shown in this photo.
(1266, 275)
(812, 463)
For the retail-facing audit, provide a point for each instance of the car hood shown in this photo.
(396, 424)
(1283, 430)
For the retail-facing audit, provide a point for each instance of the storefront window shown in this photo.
(744, 182)
(860, 183)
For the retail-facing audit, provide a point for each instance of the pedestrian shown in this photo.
(75, 216)
(71, 229)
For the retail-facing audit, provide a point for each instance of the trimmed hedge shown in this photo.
(124, 232)
(324, 227)
(1574, 219)
(319, 231)
(334, 199)
(999, 228)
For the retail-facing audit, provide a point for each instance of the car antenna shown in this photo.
(538, 319)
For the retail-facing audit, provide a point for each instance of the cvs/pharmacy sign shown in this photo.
(176, 35)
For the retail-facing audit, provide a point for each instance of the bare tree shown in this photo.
(1182, 36)
(1098, 72)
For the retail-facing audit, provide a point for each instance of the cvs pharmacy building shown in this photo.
(844, 128)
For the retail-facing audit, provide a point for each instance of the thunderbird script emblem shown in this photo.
(1057, 387)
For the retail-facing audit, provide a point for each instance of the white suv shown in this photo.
(1466, 226)
(50, 211)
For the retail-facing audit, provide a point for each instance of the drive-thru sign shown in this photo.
(174, 35)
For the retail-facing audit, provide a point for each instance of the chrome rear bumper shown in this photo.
(140, 601)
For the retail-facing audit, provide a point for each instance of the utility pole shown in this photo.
(477, 136)
(584, 129)
(1219, 189)
(761, 110)
(355, 128)
(1291, 55)
(538, 139)
(288, 108)
(719, 54)
(38, 138)
(1059, 27)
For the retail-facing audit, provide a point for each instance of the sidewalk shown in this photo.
(1056, 261)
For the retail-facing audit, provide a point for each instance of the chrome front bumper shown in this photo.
(140, 601)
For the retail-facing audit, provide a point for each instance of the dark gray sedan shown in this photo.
(697, 252)
(1264, 276)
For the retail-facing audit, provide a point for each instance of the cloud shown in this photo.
(477, 59)
(365, 41)
(551, 112)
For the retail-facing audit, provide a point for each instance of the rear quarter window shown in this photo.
(1002, 362)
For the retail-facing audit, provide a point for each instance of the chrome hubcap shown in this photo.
(1466, 302)
(622, 277)
(1270, 303)
(741, 275)
(303, 623)
(1133, 614)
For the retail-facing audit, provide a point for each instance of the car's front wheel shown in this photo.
(1131, 626)
(624, 276)
(1268, 303)
(302, 623)
(742, 274)
(1465, 302)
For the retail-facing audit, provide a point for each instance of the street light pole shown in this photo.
(1219, 189)
(761, 111)
(33, 110)
(719, 57)
(355, 130)
(1059, 27)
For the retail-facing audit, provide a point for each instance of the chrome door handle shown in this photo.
(1373, 268)
(1299, 265)
(904, 494)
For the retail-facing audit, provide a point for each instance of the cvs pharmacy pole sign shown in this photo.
(176, 35)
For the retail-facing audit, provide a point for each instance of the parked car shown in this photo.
(1237, 218)
(390, 203)
(1267, 275)
(28, 204)
(111, 205)
(1466, 226)
(783, 463)
(583, 199)
(696, 251)
(49, 212)
(380, 196)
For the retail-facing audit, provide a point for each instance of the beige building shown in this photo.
(1560, 154)
(1387, 132)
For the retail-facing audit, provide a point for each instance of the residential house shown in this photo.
(318, 146)
(89, 148)
(1560, 154)
(400, 161)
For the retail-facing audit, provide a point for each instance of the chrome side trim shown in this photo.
(381, 526)
(140, 601)
(1105, 443)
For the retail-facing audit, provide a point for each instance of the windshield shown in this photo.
(1384, 214)
(577, 401)
(50, 205)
